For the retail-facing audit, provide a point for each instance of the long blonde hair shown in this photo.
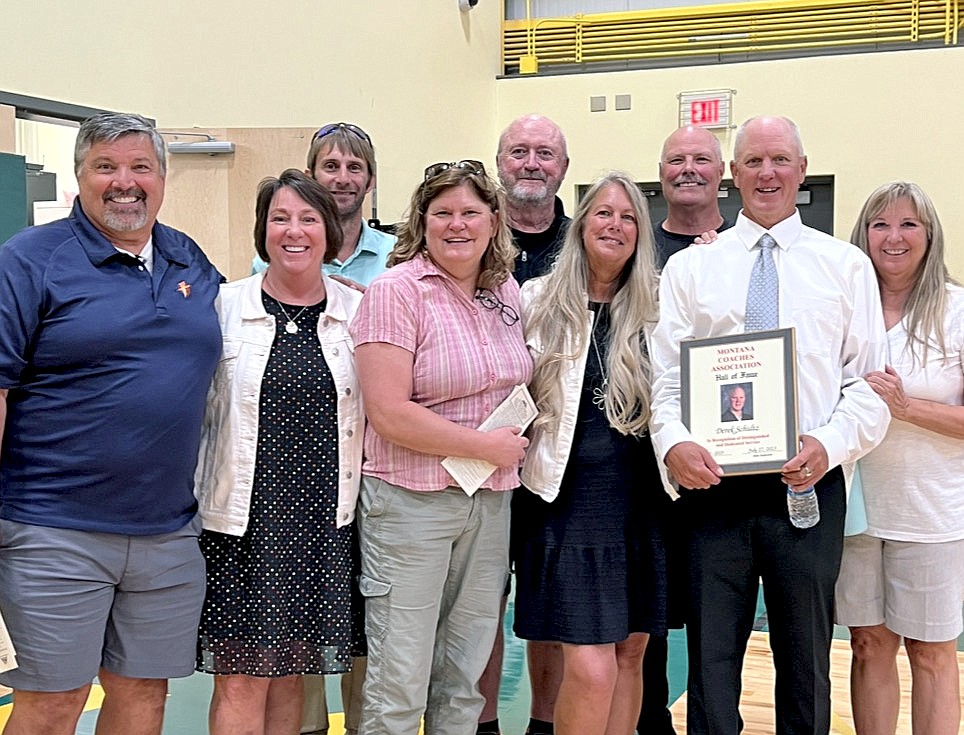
(557, 319)
(927, 302)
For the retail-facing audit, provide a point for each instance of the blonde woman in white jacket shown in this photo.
(279, 471)
(590, 566)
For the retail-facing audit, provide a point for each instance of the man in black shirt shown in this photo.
(532, 161)
(690, 171)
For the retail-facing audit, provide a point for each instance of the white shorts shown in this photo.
(913, 588)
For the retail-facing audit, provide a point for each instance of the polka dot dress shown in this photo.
(279, 599)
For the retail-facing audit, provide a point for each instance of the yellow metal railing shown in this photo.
(737, 28)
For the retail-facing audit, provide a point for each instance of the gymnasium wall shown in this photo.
(422, 78)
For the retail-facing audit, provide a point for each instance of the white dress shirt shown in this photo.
(828, 292)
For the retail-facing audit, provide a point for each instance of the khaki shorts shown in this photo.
(913, 588)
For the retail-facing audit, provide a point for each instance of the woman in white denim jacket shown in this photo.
(586, 546)
(279, 471)
(225, 472)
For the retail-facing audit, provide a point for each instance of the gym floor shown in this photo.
(189, 698)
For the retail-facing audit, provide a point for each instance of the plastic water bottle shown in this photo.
(803, 507)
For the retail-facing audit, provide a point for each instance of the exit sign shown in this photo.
(707, 109)
(705, 112)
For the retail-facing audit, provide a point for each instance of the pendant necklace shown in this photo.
(599, 392)
(290, 326)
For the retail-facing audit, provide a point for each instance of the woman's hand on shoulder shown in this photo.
(505, 447)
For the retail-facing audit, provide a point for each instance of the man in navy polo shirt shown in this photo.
(108, 342)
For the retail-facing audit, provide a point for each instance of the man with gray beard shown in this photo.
(532, 161)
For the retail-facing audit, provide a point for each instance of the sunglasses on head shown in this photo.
(333, 127)
(473, 167)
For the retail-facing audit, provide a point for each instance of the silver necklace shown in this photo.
(290, 326)
(599, 392)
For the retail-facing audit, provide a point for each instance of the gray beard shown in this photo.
(522, 195)
(129, 222)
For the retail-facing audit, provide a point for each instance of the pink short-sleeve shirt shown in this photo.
(466, 361)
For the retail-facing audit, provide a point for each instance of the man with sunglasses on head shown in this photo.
(532, 160)
(342, 159)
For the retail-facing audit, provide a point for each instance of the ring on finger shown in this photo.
(807, 472)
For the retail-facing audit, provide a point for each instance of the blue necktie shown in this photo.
(763, 295)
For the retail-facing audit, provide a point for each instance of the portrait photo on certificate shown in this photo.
(739, 398)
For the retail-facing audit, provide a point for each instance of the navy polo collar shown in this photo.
(99, 249)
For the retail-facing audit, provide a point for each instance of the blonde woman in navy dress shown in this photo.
(589, 560)
(279, 471)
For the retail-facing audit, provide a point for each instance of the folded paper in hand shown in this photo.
(517, 410)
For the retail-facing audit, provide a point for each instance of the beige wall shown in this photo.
(421, 78)
(8, 130)
(866, 119)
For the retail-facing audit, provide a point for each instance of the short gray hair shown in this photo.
(106, 127)
(792, 126)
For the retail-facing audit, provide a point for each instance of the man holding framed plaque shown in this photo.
(794, 315)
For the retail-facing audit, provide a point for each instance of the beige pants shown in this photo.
(430, 617)
(314, 715)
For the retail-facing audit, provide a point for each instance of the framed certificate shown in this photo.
(739, 398)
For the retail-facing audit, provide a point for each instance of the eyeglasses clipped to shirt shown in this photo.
(490, 301)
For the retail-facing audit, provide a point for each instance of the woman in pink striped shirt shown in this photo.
(438, 345)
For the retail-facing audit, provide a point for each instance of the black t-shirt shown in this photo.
(537, 250)
(667, 243)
